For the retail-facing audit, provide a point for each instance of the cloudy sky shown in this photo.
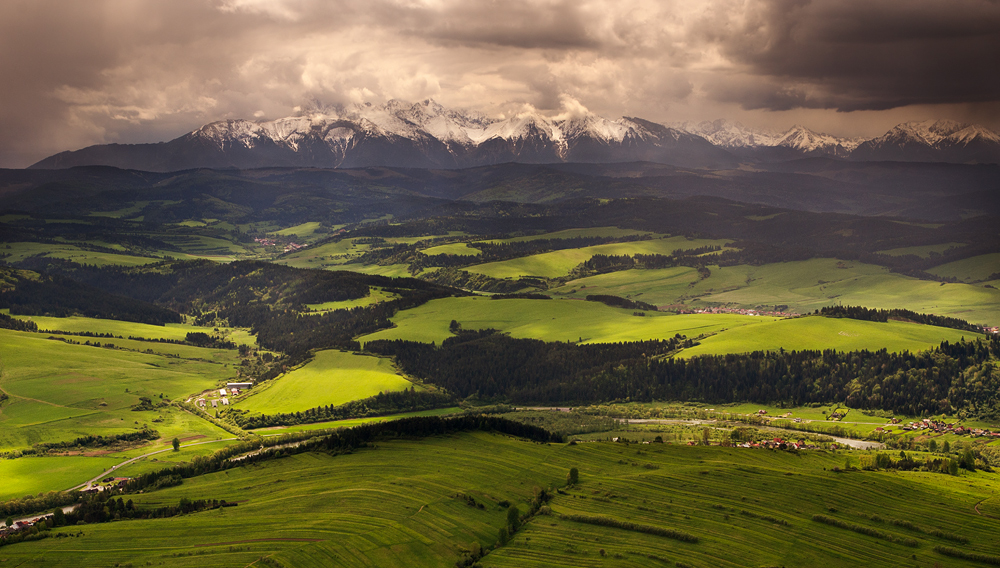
(81, 72)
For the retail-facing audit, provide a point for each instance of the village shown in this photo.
(221, 396)
(266, 242)
(742, 311)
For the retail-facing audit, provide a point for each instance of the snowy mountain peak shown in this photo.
(429, 134)
(730, 134)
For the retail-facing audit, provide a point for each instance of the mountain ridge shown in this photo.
(429, 135)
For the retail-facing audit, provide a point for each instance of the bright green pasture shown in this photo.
(551, 320)
(33, 475)
(127, 329)
(355, 421)
(321, 256)
(973, 269)
(22, 250)
(391, 270)
(802, 286)
(332, 377)
(82, 390)
(401, 504)
(461, 249)
(809, 285)
(821, 333)
(661, 286)
(375, 296)
(561, 262)
(303, 231)
(202, 246)
(577, 233)
(923, 251)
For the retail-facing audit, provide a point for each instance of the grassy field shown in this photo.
(33, 475)
(660, 286)
(561, 262)
(401, 505)
(375, 295)
(305, 232)
(84, 390)
(820, 333)
(975, 269)
(576, 233)
(921, 251)
(551, 320)
(802, 286)
(461, 249)
(127, 329)
(332, 377)
(19, 251)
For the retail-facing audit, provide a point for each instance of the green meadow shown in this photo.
(975, 269)
(305, 232)
(820, 333)
(33, 475)
(559, 263)
(551, 320)
(660, 286)
(375, 296)
(202, 246)
(331, 377)
(923, 251)
(404, 503)
(324, 255)
(20, 251)
(83, 390)
(461, 249)
(577, 233)
(802, 286)
(176, 331)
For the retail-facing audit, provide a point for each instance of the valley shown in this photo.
(396, 378)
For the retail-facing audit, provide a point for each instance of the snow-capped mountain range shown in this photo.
(428, 135)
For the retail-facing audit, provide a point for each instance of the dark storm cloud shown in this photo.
(860, 54)
(80, 73)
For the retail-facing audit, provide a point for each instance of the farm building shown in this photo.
(223, 392)
(215, 404)
(225, 401)
(239, 386)
(201, 402)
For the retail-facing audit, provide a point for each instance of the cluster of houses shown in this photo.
(264, 242)
(991, 329)
(948, 428)
(741, 311)
(19, 526)
(776, 444)
(109, 483)
(293, 246)
(231, 389)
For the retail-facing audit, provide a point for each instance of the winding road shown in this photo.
(90, 483)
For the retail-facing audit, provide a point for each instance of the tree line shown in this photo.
(869, 314)
(382, 404)
(957, 377)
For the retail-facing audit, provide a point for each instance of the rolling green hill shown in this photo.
(332, 377)
(561, 262)
(82, 390)
(821, 333)
(550, 320)
(802, 286)
(974, 269)
(430, 502)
